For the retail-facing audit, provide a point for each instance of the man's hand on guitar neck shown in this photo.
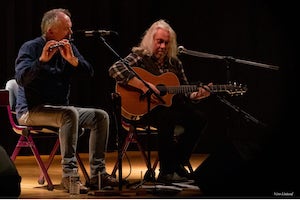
(202, 93)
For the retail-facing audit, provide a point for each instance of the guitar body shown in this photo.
(133, 106)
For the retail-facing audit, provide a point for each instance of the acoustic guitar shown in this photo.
(135, 105)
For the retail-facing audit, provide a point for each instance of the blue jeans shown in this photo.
(69, 119)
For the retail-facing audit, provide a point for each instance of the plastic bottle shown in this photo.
(74, 183)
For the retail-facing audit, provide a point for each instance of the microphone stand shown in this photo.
(147, 95)
(229, 59)
(246, 115)
(116, 98)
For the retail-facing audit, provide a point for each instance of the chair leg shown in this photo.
(22, 142)
(150, 173)
(155, 163)
(148, 164)
(40, 162)
(81, 165)
(188, 164)
(135, 140)
(128, 140)
(41, 179)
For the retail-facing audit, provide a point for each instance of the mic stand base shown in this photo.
(136, 192)
(148, 177)
(105, 193)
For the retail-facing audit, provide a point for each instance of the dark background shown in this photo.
(254, 30)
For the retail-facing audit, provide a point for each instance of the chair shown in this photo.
(27, 134)
(134, 130)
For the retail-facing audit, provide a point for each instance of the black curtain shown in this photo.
(259, 31)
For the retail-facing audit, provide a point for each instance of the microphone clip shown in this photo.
(145, 95)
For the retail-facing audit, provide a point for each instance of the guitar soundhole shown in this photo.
(162, 89)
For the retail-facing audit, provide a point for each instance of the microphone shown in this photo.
(93, 33)
(181, 49)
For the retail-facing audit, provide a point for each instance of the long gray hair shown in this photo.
(146, 44)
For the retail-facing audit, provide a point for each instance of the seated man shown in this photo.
(156, 57)
(44, 67)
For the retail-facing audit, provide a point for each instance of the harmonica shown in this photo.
(58, 45)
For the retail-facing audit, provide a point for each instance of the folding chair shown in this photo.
(134, 130)
(8, 99)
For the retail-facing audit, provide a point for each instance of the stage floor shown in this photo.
(133, 169)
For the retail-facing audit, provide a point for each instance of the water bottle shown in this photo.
(74, 183)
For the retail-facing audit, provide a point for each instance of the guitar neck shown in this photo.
(181, 89)
(194, 88)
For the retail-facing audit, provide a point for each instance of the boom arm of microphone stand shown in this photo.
(227, 58)
(201, 54)
(257, 64)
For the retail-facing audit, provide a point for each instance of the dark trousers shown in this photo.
(186, 114)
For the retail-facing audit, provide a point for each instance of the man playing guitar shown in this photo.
(155, 57)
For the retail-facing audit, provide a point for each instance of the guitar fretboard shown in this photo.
(230, 88)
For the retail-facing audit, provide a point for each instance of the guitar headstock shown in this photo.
(235, 89)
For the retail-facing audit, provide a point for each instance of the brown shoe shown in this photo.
(106, 182)
(65, 183)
